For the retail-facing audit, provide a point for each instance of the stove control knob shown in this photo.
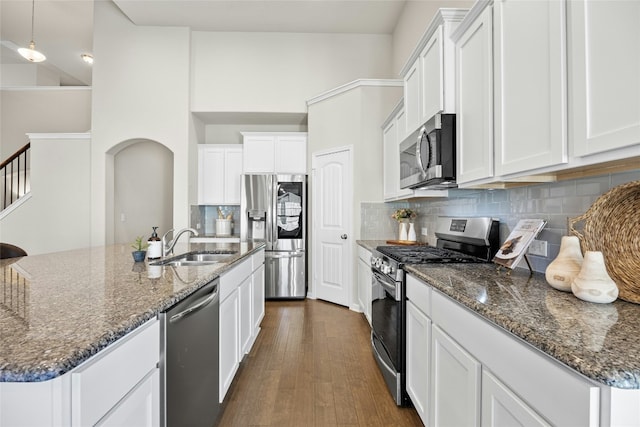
(386, 268)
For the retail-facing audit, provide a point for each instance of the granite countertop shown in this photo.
(601, 341)
(59, 309)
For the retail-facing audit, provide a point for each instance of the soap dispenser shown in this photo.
(155, 245)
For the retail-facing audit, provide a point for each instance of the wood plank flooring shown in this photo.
(312, 365)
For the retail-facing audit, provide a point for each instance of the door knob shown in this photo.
(343, 237)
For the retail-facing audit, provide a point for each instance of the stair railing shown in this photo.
(14, 173)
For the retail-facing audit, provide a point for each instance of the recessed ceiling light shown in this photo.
(88, 58)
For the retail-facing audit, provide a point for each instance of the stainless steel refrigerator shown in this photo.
(273, 209)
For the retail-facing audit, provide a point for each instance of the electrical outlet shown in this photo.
(425, 231)
(538, 247)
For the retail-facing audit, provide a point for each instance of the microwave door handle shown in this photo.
(419, 150)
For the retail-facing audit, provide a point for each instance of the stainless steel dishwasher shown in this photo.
(189, 360)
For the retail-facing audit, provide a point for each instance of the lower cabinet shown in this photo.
(462, 370)
(455, 383)
(241, 311)
(364, 282)
(501, 407)
(139, 407)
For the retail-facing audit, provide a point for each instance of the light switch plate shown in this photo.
(425, 231)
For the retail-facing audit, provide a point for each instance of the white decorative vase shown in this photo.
(593, 283)
(403, 231)
(411, 236)
(562, 270)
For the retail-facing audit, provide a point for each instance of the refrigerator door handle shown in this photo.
(269, 254)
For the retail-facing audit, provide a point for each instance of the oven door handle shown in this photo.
(392, 289)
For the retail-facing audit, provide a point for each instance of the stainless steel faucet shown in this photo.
(167, 247)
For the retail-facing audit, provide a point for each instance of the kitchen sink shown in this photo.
(197, 258)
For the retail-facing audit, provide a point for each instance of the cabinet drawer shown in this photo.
(99, 384)
(257, 259)
(364, 255)
(419, 293)
(230, 280)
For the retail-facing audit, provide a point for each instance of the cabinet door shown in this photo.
(229, 341)
(502, 408)
(418, 355)
(432, 82)
(291, 154)
(474, 77)
(232, 175)
(258, 298)
(530, 85)
(246, 322)
(211, 174)
(141, 407)
(604, 68)
(411, 100)
(364, 287)
(258, 154)
(455, 386)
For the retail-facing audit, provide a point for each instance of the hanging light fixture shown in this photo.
(31, 54)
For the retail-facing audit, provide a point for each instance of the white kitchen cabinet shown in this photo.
(530, 85)
(455, 383)
(604, 65)
(418, 346)
(502, 408)
(219, 174)
(241, 311)
(429, 85)
(139, 408)
(474, 92)
(229, 341)
(364, 282)
(392, 129)
(272, 152)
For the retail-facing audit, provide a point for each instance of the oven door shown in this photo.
(387, 316)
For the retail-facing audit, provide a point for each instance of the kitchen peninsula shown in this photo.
(62, 312)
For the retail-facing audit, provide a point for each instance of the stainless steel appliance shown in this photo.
(273, 209)
(459, 240)
(428, 156)
(189, 360)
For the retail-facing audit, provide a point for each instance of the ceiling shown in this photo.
(63, 29)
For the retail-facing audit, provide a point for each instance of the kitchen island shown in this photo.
(60, 311)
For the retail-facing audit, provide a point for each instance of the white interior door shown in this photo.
(332, 190)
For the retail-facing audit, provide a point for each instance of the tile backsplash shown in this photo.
(203, 218)
(553, 202)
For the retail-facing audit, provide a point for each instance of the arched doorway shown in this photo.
(142, 189)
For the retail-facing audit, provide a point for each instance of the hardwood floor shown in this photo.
(312, 365)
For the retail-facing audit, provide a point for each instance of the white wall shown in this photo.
(414, 20)
(57, 217)
(278, 72)
(12, 75)
(140, 91)
(143, 191)
(353, 118)
(231, 134)
(41, 110)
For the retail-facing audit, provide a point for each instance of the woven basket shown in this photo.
(612, 226)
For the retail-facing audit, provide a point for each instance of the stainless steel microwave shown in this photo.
(428, 156)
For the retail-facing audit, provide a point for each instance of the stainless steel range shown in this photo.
(460, 240)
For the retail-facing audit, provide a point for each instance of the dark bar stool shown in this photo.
(10, 251)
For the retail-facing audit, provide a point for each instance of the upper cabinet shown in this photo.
(604, 70)
(429, 85)
(546, 89)
(219, 170)
(511, 98)
(269, 152)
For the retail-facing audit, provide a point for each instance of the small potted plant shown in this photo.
(140, 251)
(402, 216)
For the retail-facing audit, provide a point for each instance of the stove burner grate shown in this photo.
(425, 255)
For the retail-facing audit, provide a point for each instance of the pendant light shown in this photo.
(31, 54)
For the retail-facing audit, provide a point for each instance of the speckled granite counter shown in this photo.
(59, 309)
(601, 341)
(371, 244)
